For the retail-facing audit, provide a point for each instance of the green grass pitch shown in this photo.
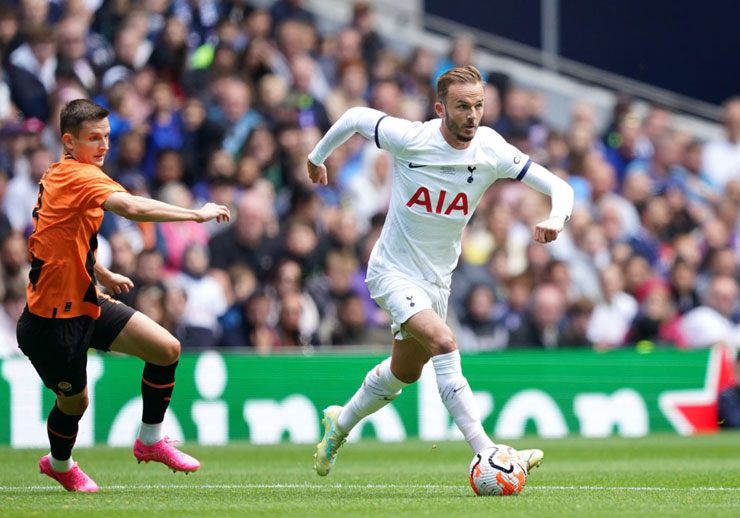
(661, 475)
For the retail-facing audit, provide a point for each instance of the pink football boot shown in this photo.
(73, 480)
(163, 451)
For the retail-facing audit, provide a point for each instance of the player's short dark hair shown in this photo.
(77, 112)
(466, 74)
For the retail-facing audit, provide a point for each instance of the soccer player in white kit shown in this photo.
(441, 170)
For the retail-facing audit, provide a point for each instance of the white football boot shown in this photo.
(532, 458)
(326, 450)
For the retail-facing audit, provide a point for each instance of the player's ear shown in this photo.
(67, 140)
(439, 109)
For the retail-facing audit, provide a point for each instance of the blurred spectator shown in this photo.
(246, 241)
(611, 318)
(351, 89)
(14, 260)
(341, 273)
(14, 300)
(38, 56)
(234, 100)
(10, 37)
(178, 235)
(622, 144)
(543, 325)
(175, 302)
(657, 321)
(206, 300)
(73, 51)
(352, 326)
(363, 19)
(283, 10)
(662, 167)
(729, 402)
(300, 244)
(655, 218)
(699, 186)
(5, 228)
(200, 138)
(164, 126)
(287, 279)
(259, 334)
(716, 320)
(22, 194)
(460, 54)
(132, 147)
(123, 256)
(170, 52)
(288, 326)
(683, 286)
(479, 327)
(722, 156)
(149, 272)
(150, 300)
(579, 317)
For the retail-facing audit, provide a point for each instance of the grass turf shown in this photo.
(661, 475)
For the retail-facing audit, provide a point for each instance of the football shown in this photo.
(497, 471)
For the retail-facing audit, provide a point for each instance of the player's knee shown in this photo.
(443, 342)
(167, 352)
(409, 373)
(73, 405)
(172, 351)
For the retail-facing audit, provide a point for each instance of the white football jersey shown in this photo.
(436, 188)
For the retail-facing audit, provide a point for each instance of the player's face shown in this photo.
(91, 143)
(462, 112)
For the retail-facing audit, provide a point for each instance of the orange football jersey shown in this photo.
(63, 245)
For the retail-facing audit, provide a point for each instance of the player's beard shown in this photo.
(454, 129)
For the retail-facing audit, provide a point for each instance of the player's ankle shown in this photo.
(61, 466)
(150, 433)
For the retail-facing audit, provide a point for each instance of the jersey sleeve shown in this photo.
(97, 187)
(510, 162)
(391, 133)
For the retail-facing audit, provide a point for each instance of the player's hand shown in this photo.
(317, 173)
(116, 283)
(549, 229)
(211, 211)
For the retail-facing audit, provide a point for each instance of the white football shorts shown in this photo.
(402, 296)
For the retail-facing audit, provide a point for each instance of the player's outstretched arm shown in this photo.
(138, 208)
(561, 196)
(355, 120)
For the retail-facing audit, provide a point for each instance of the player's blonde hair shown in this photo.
(466, 74)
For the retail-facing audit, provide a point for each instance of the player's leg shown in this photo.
(382, 384)
(142, 337)
(58, 351)
(439, 341)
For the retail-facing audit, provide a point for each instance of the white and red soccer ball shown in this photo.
(497, 471)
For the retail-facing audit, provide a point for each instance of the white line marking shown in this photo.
(364, 486)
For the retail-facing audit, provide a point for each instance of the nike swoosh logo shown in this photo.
(415, 166)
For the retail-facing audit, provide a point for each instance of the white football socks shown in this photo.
(459, 400)
(150, 433)
(379, 388)
(61, 466)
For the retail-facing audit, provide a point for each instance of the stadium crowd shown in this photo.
(222, 101)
